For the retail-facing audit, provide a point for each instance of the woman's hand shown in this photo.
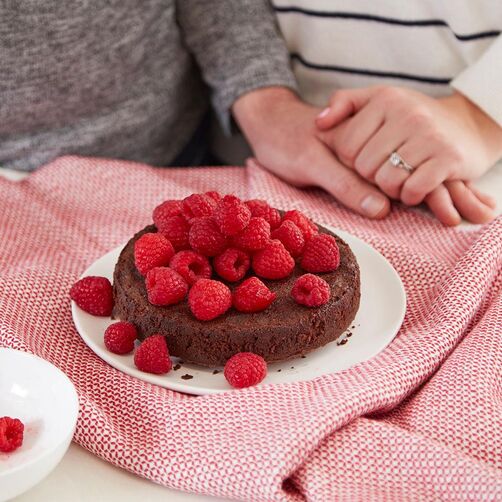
(442, 139)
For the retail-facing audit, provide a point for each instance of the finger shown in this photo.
(390, 178)
(349, 188)
(423, 181)
(483, 197)
(343, 104)
(468, 204)
(441, 204)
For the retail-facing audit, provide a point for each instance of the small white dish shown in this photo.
(44, 399)
(380, 315)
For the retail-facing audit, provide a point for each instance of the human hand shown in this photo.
(443, 139)
(282, 133)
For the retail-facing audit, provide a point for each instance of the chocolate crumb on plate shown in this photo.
(303, 357)
(187, 377)
(215, 372)
(342, 342)
(279, 370)
(177, 367)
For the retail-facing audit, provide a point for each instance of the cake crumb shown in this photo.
(349, 334)
(279, 370)
(303, 357)
(292, 367)
(177, 367)
(187, 377)
(342, 342)
(215, 372)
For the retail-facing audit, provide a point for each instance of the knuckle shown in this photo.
(418, 118)
(412, 194)
(391, 94)
(343, 186)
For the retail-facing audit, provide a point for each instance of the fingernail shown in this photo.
(372, 205)
(324, 113)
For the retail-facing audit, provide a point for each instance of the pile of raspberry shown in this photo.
(202, 241)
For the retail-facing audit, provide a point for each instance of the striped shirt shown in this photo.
(433, 46)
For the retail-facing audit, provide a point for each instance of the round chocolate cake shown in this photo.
(283, 331)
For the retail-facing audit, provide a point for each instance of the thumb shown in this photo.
(343, 104)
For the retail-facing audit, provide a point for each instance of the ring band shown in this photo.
(397, 161)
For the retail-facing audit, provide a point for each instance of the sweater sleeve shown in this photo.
(482, 81)
(237, 46)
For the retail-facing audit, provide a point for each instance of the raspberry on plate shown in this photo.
(11, 434)
(165, 286)
(231, 215)
(245, 369)
(232, 264)
(152, 356)
(94, 295)
(304, 223)
(255, 236)
(252, 296)
(198, 205)
(166, 210)
(291, 236)
(120, 336)
(205, 237)
(321, 254)
(191, 266)
(175, 229)
(273, 261)
(152, 250)
(262, 209)
(310, 290)
(208, 299)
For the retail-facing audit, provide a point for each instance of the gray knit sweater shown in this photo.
(127, 79)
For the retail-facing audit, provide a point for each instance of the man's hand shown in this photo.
(281, 130)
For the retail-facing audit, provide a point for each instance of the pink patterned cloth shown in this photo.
(421, 421)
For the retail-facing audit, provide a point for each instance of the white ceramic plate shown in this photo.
(44, 399)
(381, 312)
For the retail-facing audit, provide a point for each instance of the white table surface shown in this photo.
(82, 477)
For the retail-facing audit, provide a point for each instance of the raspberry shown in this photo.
(214, 195)
(119, 337)
(152, 250)
(209, 299)
(175, 229)
(11, 434)
(232, 215)
(198, 205)
(206, 238)
(252, 296)
(310, 290)
(166, 210)
(305, 224)
(232, 264)
(255, 236)
(94, 295)
(291, 236)
(261, 209)
(152, 356)
(191, 266)
(245, 369)
(165, 286)
(321, 254)
(273, 261)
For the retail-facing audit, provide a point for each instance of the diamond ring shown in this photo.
(397, 161)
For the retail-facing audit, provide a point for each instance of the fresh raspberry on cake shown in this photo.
(255, 236)
(213, 194)
(120, 336)
(175, 229)
(152, 356)
(252, 296)
(232, 215)
(245, 369)
(205, 237)
(191, 266)
(321, 254)
(166, 210)
(209, 299)
(291, 236)
(198, 205)
(11, 434)
(261, 209)
(273, 261)
(304, 223)
(310, 290)
(152, 250)
(94, 295)
(165, 286)
(232, 264)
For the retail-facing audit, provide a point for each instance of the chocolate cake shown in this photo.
(283, 331)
